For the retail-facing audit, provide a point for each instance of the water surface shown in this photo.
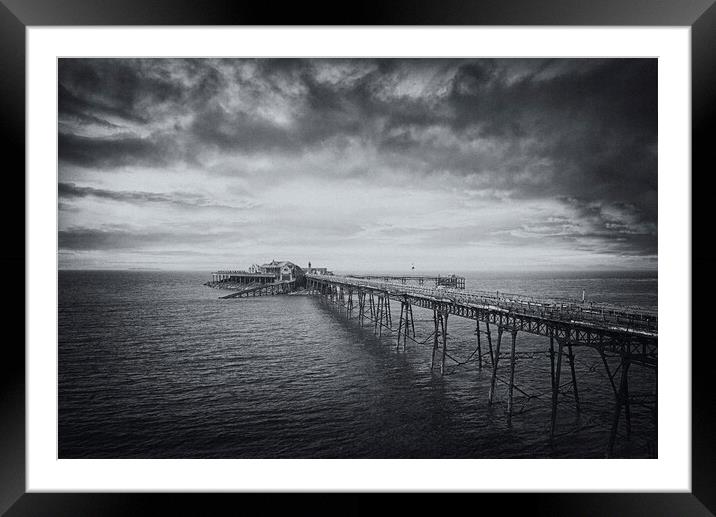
(154, 365)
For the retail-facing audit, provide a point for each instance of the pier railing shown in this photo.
(601, 314)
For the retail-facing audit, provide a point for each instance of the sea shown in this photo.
(152, 364)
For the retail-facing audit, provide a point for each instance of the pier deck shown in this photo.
(452, 281)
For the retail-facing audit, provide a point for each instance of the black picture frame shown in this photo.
(17, 15)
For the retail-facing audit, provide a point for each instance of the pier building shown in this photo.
(242, 277)
(283, 270)
(317, 270)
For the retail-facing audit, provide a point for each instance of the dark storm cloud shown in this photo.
(618, 226)
(594, 232)
(126, 88)
(595, 128)
(110, 152)
(181, 199)
(85, 239)
(582, 132)
(231, 131)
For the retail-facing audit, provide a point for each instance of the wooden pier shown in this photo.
(623, 336)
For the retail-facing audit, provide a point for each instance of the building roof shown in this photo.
(234, 272)
(281, 263)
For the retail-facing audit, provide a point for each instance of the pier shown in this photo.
(452, 281)
(622, 336)
(281, 287)
(240, 277)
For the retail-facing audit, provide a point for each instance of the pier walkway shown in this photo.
(452, 281)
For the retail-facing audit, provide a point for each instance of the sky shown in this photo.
(358, 164)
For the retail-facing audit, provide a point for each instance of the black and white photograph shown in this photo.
(357, 258)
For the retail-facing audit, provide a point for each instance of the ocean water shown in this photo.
(154, 365)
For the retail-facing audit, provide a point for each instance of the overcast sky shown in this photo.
(358, 164)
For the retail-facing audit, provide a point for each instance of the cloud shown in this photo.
(112, 238)
(112, 152)
(577, 135)
(180, 199)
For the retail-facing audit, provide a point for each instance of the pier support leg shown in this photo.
(620, 399)
(388, 317)
(435, 339)
(555, 389)
(479, 347)
(574, 376)
(406, 325)
(609, 373)
(381, 315)
(627, 411)
(495, 359)
(489, 343)
(400, 324)
(512, 377)
(361, 307)
(551, 362)
(444, 333)
(371, 306)
(409, 325)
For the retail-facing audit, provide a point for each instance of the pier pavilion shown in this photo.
(242, 277)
